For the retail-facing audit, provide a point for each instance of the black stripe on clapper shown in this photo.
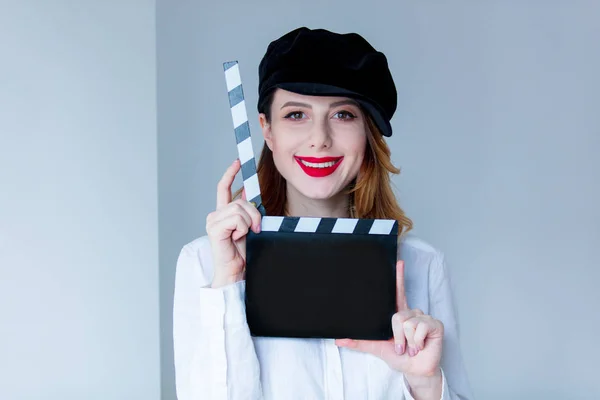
(257, 200)
(236, 95)
(248, 169)
(242, 132)
(229, 64)
(363, 226)
(326, 225)
(289, 224)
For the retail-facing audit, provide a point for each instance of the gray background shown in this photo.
(496, 133)
(78, 201)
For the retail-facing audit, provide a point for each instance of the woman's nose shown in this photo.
(320, 136)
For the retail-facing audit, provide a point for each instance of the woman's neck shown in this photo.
(300, 206)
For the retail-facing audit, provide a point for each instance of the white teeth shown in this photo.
(319, 165)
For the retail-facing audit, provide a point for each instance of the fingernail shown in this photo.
(412, 351)
(399, 349)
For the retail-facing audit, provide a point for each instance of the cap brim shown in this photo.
(321, 89)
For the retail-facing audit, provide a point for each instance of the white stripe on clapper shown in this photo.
(271, 224)
(382, 227)
(344, 225)
(232, 77)
(238, 113)
(245, 150)
(307, 224)
(251, 187)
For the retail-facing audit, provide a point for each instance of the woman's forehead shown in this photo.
(282, 96)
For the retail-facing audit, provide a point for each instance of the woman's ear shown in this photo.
(266, 130)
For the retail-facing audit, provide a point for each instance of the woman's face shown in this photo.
(318, 142)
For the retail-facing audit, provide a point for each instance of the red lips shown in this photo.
(318, 172)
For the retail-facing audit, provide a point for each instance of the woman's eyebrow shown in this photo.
(343, 103)
(296, 104)
(336, 104)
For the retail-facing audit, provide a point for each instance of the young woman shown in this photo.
(325, 104)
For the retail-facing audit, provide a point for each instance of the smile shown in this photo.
(319, 167)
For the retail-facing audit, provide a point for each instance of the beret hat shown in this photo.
(319, 62)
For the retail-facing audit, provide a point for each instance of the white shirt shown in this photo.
(217, 358)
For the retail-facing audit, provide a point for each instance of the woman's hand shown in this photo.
(416, 348)
(227, 227)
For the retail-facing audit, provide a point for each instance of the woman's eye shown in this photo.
(344, 115)
(294, 115)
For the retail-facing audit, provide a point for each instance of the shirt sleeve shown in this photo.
(445, 396)
(214, 352)
(441, 306)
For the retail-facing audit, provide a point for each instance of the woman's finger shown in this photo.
(398, 329)
(233, 224)
(224, 185)
(237, 207)
(241, 228)
(423, 328)
(375, 347)
(401, 302)
(409, 327)
(252, 212)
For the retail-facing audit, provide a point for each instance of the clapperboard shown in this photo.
(313, 277)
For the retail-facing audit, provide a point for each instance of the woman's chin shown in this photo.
(317, 188)
(317, 193)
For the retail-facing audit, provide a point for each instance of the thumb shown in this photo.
(374, 347)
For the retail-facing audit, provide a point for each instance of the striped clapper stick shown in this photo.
(242, 133)
(313, 277)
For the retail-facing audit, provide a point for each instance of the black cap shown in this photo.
(322, 63)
